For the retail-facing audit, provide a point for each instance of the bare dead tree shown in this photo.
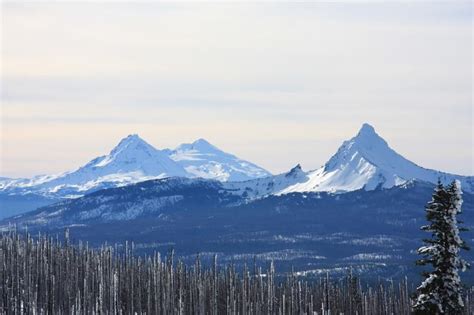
(40, 275)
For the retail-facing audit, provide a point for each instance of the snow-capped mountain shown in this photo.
(366, 161)
(362, 208)
(380, 227)
(202, 159)
(134, 160)
(363, 162)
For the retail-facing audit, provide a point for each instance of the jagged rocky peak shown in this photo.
(132, 137)
(367, 129)
(297, 167)
(368, 138)
(128, 140)
(203, 144)
(295, 171)
(134, 155)
(133, 142)
(366, 143)
(130, 149)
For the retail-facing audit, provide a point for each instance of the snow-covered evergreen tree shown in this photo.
(441, 291)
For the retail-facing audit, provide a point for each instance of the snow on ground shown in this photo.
(372, 257)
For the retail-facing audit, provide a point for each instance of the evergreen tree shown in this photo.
(441, 291)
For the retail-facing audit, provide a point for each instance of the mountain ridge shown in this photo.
(199, 215)
(365, 161)
(202, 159)
(363, 209)
(133, 160)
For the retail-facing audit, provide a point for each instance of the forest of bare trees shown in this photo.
(41, 275)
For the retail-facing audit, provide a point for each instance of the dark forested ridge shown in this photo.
(17, 204)
(375, 232)
(42, 275)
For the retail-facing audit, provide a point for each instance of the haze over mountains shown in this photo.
(363, 162)
(134, 160)
(362, 209)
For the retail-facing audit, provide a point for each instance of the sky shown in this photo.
(274, 83)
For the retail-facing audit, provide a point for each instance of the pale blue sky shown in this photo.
(275, 83)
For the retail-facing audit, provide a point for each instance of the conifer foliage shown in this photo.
(441, 291)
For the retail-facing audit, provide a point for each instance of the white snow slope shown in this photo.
(134, 160)
(202, 159)
(363, 162)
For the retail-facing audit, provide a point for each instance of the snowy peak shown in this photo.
(363, 162)
(128, 140)
(366, 145)
(367, 161)
(133, 155)
(368, 138)
(200, 146)
(202, 159)
(128, 150)
(131, 161)
(132, 142)
(203, 145)
(367, 130)
(295, 171)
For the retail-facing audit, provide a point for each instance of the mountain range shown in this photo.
(361, 210)
(134, 160)
(373, 232)
(364, 162)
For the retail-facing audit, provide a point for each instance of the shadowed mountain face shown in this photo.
(363, 162)
(374, 232)
(363, 208)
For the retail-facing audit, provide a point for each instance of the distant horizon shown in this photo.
(229, 152)
(277, 84)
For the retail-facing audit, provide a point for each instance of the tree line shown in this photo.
(43, 275)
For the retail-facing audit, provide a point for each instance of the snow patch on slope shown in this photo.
(367, 162)
(132, 160)
(202, 159)
(262, 187)
(363, 162)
